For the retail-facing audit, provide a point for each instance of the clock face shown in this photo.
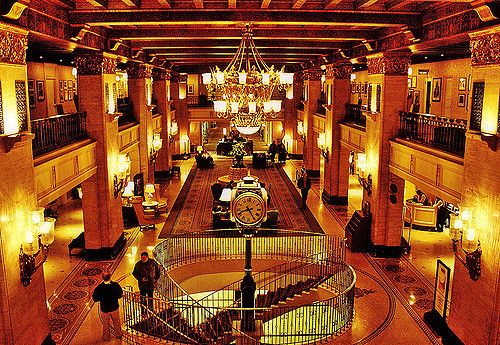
(249, 209)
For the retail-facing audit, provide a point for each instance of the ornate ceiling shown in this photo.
(189, 35)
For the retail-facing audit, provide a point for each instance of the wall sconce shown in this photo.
(322, 146)
(156, 145)
(287, 139)
(38, 238)
(128, 192)
(489, 127)
(471, 247)
(365, 182)
(122, 173)
(174, 129)
(300, 131)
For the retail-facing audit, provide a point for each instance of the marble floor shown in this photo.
(382, 314)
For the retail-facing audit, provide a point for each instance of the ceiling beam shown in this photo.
(332, 3)
(235, 34)
(298, 3)
(98, 3)
(228, 17)
(365, 3)
(265, 3)
(132, 3)
(261, 44)
(165, 3)
(198, 3)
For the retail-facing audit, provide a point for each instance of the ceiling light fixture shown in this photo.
(243, 90)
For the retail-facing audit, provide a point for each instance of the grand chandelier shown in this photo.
(243, 90)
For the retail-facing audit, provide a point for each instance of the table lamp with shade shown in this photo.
(225, 195)
(127, 193)
(150, 190)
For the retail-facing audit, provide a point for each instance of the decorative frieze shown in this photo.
(13, 46)
(339, 71)
(160, 74)
(95, 64)
(389, 64)
(485, 48)
(138, 71)
(313, 74)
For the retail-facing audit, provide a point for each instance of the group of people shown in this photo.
(442, 212)
(108, 293)
(277, 148)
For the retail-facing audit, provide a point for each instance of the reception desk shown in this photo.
(420, 217)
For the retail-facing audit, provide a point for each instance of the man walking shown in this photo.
(108, 293)
(147, 273)
(304, 183)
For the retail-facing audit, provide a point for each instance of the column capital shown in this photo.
(393, 63)
(313, 74)
(339, 71)
(13, 44)
(160, 74)
(138, 70)
(95, 64)
(485, 47)
(179, 78)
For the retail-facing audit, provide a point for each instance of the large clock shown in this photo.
(249, 209)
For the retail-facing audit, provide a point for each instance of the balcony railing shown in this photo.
(57, 131)
(446, 134)
(354, 115)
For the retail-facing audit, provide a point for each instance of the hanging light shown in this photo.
(243, 90)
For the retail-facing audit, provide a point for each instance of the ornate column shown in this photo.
(290, 120)
(481, 192)
(140, 91)
(102, 212)
(181, 112)
(312, 84)
(161, 88)
(336, 170)
(388, 77)
(175, 103)
(17, 183)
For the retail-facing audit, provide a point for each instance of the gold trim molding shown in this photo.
(485, 47)
(94, 64)
(339, 71)
(13, 45)
(388, 64)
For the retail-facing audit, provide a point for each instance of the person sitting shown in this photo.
(421, 198)
(204, 160)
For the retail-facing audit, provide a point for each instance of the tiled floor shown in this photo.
(382, 314)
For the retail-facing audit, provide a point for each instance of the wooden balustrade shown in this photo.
(446, 134)
(57, 131)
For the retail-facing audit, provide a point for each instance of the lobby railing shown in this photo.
(354, 115)
(57, 131)
(442, 133)
(313, 260)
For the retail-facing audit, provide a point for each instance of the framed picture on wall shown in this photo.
(70, 84)
(190, 89)
(61, 85)
(436, 89)
(353, 87)
(65, 85)
(61, 95)
(414, 81)
(461, 99)
(31, 85)
(32, 99)
(462, 84)
(409, 82)
(40, 90)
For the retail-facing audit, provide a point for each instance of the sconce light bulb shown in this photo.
(470, 234)
(466, 215)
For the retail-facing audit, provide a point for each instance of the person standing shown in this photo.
(272, 150)
(107, 294)
(147, 273)
(304, 183)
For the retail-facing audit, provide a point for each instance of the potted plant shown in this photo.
(238, 151)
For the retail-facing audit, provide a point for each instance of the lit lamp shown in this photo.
(174, 129)
(470, 245)
(150, 190)
(322, 146)
(365, 182)
(489, 126)
(225, 195)
(287, 139)
(185, 144)
(199, 149)
(157, 144)
(300, 130)
(123, 169)
(128, 193)
(40, 232)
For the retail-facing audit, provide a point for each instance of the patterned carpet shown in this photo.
(193, 209)
(72, 300)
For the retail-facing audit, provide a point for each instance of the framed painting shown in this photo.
(441, 288)
(31, 85)
(65, 84)
(190, 89)
(461, 99)
(40, 90)
(436, 89)
(409, 82)
(414, 81)
(70, 84)
(462, 84)
(353, 87)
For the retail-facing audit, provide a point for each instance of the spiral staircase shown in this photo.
(305, 291)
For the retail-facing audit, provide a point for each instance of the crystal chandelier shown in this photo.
(243, 91)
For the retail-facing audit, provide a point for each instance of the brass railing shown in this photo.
(314, 260)
(446, 134)
(57, 131)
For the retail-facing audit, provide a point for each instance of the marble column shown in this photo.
(388, 76)
(181, 113)
(290, 120)
(102, 213)
(311, 153)
(336, 169)
(140, 93)
(161, 87)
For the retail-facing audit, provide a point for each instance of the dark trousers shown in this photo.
(304, 197)
(146, 298)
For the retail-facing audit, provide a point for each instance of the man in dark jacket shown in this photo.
(108, 293)
(304, 183)
(147, 273)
